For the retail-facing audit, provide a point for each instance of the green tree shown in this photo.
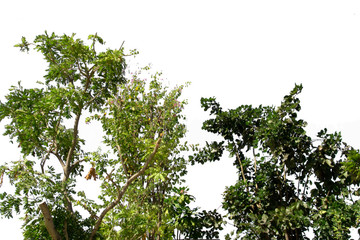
(141, 123)
(148, 208)
(288, 182)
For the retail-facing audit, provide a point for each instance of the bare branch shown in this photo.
(93, 70)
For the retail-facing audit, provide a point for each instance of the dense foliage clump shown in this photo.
(288, 182)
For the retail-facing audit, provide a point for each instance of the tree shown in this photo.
(149, 205)
(141, 123)
(288, 182)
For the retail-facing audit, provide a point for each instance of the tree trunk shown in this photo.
(49, 223)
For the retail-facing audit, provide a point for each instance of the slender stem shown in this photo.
(241, 166)
(305, 185)
(255, 167)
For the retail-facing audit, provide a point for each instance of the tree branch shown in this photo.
(73, 145)
(90, 211)
(125, 187)
(76, 163)
(55, 151)
(56, 154)
(255, 168)
(71, 79)
(43, 160)
(49, 223)
(67, 167)
(93, 99)
(65, 230)
(241, 166)
(122, 160)
(112, 181)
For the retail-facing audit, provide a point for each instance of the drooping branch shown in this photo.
(125, 187)
(49, 223)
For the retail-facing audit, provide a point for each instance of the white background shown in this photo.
(242, 52)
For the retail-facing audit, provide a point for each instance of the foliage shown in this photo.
(148, 204)
(288, 182)
(78, 80)
(191, 223)
(142, 125)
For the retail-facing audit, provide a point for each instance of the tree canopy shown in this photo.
(288, 181)
(140, 173)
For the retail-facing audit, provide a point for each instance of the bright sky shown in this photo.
(242, 52)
